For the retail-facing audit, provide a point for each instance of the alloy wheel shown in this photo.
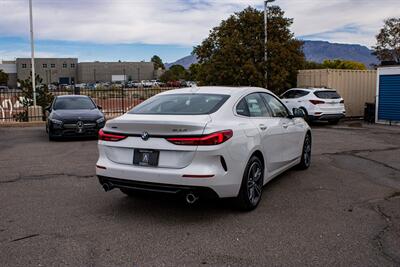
(307, 151)
(254, 182)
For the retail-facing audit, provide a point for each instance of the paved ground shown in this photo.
(344, 210)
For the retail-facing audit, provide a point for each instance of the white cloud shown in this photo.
(13, 54)
(185, 22)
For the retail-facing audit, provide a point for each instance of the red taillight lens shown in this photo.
(205, 140)
(316, 102)
(110, 137)
(341, 101)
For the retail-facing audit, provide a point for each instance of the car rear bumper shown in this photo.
(205, 171)
(203, 192)
(327, 117)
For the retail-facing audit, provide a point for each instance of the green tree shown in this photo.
(193, 72)
(3, 78)
(157, 62)
(233, 53)
(43, 96)
(343, 64)
(388, 41)
(335, 64)
(175, 73)
(311, 65)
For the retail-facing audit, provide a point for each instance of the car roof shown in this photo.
(223, 90)
(313, 89)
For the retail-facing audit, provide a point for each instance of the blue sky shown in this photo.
(134, 30)
(87, 51)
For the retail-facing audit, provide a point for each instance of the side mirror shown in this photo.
(298, 113)
(99, 107)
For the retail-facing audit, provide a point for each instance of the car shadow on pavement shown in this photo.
(172, 208)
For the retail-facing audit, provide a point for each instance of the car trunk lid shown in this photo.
(158, 127)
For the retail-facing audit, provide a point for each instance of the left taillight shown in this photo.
(110, 136)
(204, 140)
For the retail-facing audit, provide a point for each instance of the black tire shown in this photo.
(252, 185)
(128, 192)
(51, 136)
(306, 117)
(334, 122)
(306, 153)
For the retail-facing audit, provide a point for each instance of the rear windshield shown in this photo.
(73, 103)
(327, 94)
(181, 104)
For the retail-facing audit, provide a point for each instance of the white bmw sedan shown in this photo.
(203, 142)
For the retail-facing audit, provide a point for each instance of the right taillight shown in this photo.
(317, 102)
(204, 140)
(110, 136)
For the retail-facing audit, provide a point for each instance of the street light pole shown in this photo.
(266, 39)
(32, 54)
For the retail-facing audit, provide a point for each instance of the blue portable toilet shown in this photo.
(388, 95)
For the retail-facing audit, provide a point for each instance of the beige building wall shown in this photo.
(49, 69)
(90, 72)
(355, 86)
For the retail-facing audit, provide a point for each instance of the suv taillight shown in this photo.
(204, 140)
(110, 136)
(316, 102)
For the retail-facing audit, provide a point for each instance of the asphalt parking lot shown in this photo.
(344, 210)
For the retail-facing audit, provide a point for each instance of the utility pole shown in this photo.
(32, 54)
(266, 39)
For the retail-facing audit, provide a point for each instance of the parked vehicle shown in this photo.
(147, 83)
(73, 115)
(52, 87)
(4, 88)
(318, 104)
(174, 84)
(81, 85)
(203, 142)
(136, 84)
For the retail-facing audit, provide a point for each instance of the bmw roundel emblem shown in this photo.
(145, 136)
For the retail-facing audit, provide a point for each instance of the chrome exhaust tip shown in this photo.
(191, 198)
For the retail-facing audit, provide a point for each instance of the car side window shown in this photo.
(242, 108)
(277, 108)
(294, 94)
(301, 93)
(256, 106)
(289, 94)
(252, 106)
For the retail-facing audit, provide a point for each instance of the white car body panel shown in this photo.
(280, 140)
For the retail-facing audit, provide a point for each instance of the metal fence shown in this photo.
(15, 106)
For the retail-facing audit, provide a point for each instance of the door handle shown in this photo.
(263, 127)
(285, 125)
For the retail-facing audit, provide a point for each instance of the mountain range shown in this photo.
(316, 51)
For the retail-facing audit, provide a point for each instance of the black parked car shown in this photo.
(74, 115)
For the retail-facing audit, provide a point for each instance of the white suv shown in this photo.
(317, 103)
